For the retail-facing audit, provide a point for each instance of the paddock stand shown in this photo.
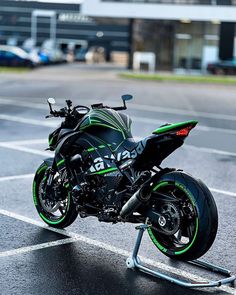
(134, 262)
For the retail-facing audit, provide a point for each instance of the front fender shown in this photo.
(49, 161)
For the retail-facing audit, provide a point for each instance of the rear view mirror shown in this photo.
(126, 97)
(51, 100)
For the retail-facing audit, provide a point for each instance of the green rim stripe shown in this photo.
(57, 221)
(190, 245)
(159, 185)
(155, 240)
(34, 193)
(159, 246)
(41, 169)
(60, 162)
(51, 222)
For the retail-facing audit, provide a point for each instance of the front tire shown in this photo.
(197, 223)
(58, 214)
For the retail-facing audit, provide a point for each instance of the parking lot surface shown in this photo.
(89, 257)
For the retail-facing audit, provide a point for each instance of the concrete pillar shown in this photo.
(131, 44)
(226, 43)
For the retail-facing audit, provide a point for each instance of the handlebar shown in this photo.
(67, 112)
(119, 108)
(61, 113)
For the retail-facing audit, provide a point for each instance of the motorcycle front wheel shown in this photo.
(188, 223)
(56, 213)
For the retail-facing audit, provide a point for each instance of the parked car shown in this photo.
(80, 55)
(13, 56)
(54, 55)
(225, 67)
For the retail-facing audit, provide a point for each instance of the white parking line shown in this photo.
(31, 176)
(175, 111)
(49, 154)
(37, 247)
(28, 121)
(18, 101)
(209, 150)
(25, 141)
(16, 145)
(223, 192)
(112, 249)
(25, 149)
(203, 128)
(15, 177)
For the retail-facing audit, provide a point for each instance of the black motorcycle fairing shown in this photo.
(106, 118)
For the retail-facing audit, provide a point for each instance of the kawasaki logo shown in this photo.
(98, 163)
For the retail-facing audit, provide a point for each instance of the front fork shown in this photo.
(60, 165)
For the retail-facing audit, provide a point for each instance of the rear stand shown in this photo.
(134, 262)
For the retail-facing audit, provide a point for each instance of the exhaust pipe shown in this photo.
(139, 198)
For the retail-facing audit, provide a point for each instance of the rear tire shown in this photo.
(67, 217)
(203, 209)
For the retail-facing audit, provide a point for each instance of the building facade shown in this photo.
(63, 23)
(184, 34)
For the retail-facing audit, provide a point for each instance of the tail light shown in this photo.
(184, 132)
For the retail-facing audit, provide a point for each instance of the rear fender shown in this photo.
(180, 129)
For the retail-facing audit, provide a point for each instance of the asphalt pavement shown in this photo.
(89, 257)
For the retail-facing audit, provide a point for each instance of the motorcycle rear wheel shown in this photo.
(190, 223)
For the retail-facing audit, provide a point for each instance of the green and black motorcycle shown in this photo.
(100, 170)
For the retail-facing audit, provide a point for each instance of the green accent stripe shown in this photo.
(175, 126)
(50, 141)
(100, 147)
(90, 149)
(106, 171)
(60, 162)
